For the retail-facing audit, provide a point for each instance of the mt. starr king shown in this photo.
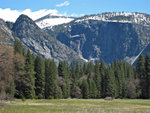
(106, 36)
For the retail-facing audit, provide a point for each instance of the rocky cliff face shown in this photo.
(108, 36)
(6, 36)
(39, 41)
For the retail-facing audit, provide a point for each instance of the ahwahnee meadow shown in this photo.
(76, 106)
(29, 83)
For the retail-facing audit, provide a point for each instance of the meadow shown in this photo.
(76, 106)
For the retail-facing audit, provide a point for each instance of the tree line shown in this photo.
(33, 77)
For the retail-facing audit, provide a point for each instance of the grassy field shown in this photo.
(76, 106)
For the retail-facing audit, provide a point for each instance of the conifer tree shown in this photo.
(103, 75)
(51, 88)
(92, 88)
(147, 71)
(63, 72)
(77, 71)
(18, 47)
(140, 71)
(118, 78)
(47, 78)
(39, 77)
(85, 89)
(29, 79)
(90, 68)
(111, 87)
(98, 78)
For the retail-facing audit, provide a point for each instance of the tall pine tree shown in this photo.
(51, 88)
(98, 78)
(110, 87)
(29, 79)
(104, 79)
(39, 77)
(85, 89)
(140, 71)
(147, 71)
(64, 73)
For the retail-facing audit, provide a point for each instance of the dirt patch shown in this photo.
(34, 104)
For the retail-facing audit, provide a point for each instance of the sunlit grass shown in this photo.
(76, 106)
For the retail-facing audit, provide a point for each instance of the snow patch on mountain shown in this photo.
(75, 36)
(139, 18)
(50, 20)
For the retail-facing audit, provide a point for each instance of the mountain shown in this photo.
(39, 41)
(107, 36)
(6, 36)
(52, 20)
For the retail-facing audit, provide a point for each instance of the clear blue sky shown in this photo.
(80, 6)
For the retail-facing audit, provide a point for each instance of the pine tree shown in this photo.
(58, 93)
(103, 75)
(147, 71)
(90, 68)
(39, 77)
(92, 88)
(77, 71)
(98, 78)
(47, 78)
(85, 89)
(120, 79)
(111, 87)
(29, 79)
(140, 71)
(51, 88)
(19, 72)
(18, 48)
(63, 71)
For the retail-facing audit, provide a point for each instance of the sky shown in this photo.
(11, 9)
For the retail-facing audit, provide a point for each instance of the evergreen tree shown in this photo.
(85, 68)
(98, 78)
(77, 71)
(119, 76)
(90, 68)
(73, 72)
(58, 93)
(85, 89)
(92, 88)
(19, 72)
(18, 47)
(140, 71)
(123, 79)
(103, 76)
(111, 87)
(64, 72)
(147, 71)
(51, 88)
(39, 77)
(29, 79)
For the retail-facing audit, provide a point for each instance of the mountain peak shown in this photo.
(23, 17)
(23, 23)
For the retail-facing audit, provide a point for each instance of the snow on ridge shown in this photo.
(49, 22)
(139, 18)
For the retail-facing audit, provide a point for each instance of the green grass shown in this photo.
(76, 106)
